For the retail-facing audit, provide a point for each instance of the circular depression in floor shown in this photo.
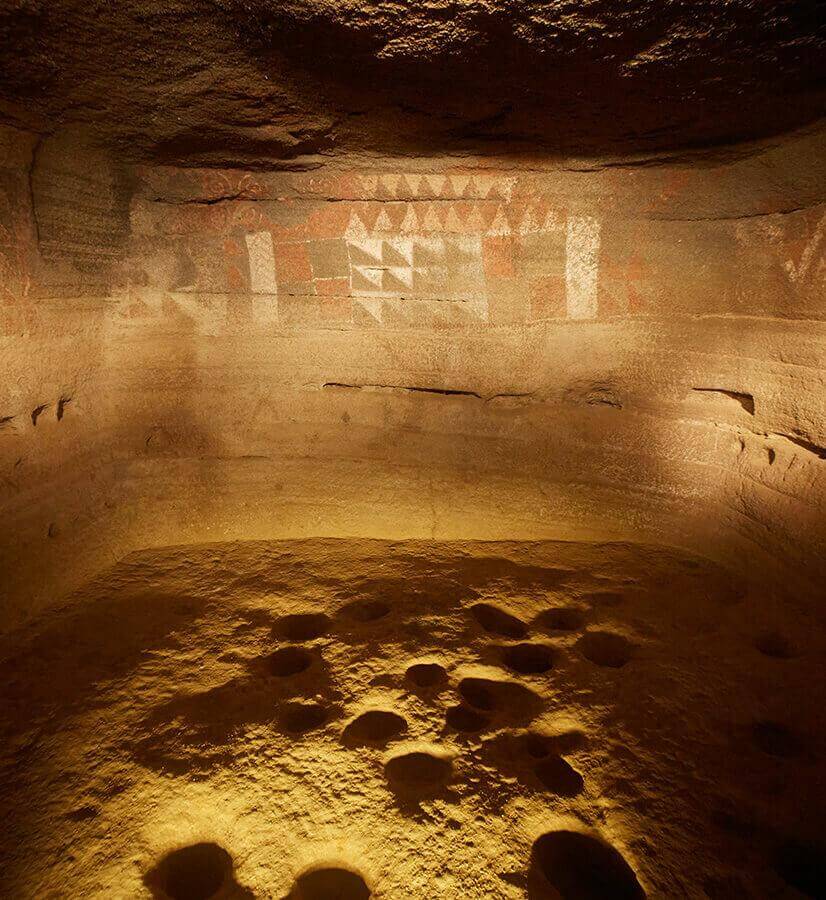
(579, 867)
(197, 872)
(330, 884)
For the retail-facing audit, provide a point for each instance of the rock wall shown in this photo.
(63, 220)
(445, 347)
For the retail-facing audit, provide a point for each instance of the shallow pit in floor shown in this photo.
(216, 719)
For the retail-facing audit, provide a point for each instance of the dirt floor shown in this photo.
(344, 719)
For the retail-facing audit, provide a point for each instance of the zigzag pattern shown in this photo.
(447, 267)
(415, 186)
(460, 218)
(414, 279)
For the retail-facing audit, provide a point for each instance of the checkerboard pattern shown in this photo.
(445, 267)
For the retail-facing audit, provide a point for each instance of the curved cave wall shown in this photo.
(481, 348)
(412, 450)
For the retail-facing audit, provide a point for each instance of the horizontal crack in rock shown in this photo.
(745, 400)
(816, 449)
(400, 387)
(739, 217)
(416, 389)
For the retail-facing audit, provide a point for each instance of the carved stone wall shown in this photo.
(474, 348)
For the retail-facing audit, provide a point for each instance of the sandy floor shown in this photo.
(346, 719)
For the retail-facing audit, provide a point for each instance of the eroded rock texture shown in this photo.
(443, 273)
(412, 348)
(252, 80)
(332, 719)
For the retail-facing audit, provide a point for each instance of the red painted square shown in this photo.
(294, 230)
(548, 297)
(332, 287)
(329, 222)
(497, 257)
(292, 263)
(236, 279)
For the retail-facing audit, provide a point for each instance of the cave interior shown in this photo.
(413, 449)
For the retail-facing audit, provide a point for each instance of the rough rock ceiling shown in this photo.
(253, 81)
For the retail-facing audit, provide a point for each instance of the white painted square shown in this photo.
(262, 263)
(582, 266)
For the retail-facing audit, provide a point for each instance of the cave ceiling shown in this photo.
(256, 82)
